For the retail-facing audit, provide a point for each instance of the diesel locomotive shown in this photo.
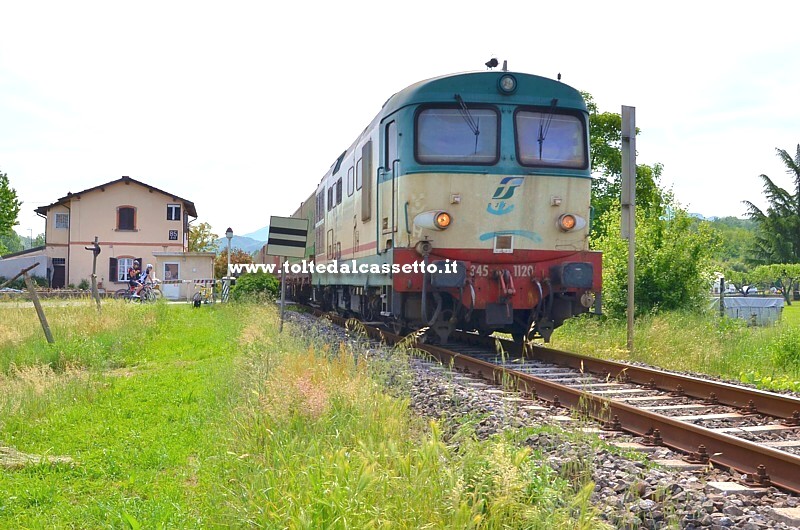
(464, 204)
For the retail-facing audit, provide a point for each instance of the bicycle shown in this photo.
(149, 293)
(205, 295)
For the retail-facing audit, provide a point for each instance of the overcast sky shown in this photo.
(242, 106)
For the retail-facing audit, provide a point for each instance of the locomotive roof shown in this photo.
(479, 87)
(482, 87)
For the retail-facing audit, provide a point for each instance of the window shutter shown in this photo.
(112, 269)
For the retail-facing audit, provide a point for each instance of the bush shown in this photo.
(785, 349)
(19, 283)
(260, 283)
(673, 260)
(84, 285)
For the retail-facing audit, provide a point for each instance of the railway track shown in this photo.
(753, 432)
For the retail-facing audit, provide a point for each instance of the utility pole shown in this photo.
(628, 202)
(95, 249)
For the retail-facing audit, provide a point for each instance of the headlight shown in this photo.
(442, 220)
(507, 84)
(568, 221)
(433, 220)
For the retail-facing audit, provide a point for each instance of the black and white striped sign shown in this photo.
(287, 237)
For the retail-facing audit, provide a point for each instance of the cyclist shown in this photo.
(149, 275)
(147, 278)
(134, 273)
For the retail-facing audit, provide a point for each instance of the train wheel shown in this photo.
(398, 327)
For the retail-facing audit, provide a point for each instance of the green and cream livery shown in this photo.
(489, 170)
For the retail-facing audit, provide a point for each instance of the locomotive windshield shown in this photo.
(545, 138)
(451, 136)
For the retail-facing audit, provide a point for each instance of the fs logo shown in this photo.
(504, 191)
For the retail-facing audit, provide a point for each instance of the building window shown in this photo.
(123, 264)
(172, 271)
(173, 212)
(62, 220)
(126, 218)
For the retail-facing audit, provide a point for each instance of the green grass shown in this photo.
(207, 418)
(138, 434)
(791, 315)
(766, 356)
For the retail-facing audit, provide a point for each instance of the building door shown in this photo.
(172, 286)
(59, 273)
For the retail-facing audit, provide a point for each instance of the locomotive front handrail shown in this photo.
(395, 162)
(408, 230)
(378, 209)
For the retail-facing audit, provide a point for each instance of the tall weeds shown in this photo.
(321, 444)
(704, 343)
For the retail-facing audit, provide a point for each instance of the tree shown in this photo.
(737, 237)
(745, 282)
(778, 236)
(11, 242)
(782, 276)
(221, 262)
(9, 209)
(673, 262)
(605, 141)
(201, 238)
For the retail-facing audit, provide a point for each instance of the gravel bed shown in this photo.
(628, 492)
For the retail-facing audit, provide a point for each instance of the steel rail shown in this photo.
(746, 457)
(736, 453)
(769, 403)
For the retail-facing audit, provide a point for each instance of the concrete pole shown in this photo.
(629, 205)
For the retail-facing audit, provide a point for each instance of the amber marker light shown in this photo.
(442, 220)
(567, 222)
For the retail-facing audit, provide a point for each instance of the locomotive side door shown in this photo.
(387, 187)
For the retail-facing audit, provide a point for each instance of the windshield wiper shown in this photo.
(473, 125)
(544, 124)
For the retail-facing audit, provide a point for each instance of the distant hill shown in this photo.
(248, 244)
(259, 235)
(703, 217)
